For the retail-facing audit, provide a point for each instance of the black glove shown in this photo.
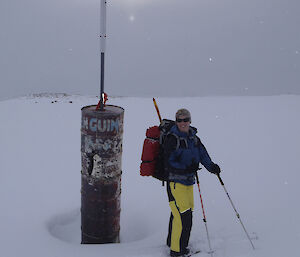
(215, 169)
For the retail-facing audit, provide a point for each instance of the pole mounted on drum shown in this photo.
(101, 159)
(103, 4)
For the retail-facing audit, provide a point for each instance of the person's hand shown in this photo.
(215, 169)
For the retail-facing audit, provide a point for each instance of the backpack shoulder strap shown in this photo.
(177, 140)
(171, 139)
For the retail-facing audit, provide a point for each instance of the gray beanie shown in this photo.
(183, 112)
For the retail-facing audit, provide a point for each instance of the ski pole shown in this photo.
(204, 217)
(237, 214)
(157, 110)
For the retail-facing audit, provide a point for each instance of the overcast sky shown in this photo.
(154, 47)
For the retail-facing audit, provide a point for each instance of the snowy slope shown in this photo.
(254, 139)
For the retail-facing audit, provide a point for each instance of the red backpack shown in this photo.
(152, 155)
(150, 152)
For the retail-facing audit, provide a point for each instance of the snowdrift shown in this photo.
(255, 140)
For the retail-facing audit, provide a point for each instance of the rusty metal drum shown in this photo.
(101, 154)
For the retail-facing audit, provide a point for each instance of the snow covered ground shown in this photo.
(254, 139)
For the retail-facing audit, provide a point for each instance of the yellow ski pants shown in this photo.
(181, 201)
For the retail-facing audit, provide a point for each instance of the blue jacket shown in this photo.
(183, 152)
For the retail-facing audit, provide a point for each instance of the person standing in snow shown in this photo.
(183, 151)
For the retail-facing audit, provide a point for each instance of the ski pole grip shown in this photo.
(221, 181)
(197, 178)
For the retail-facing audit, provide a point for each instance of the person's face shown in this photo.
(183, 123)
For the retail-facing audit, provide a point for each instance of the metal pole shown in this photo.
(237, 214)
(102, 49)
(204, 217)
